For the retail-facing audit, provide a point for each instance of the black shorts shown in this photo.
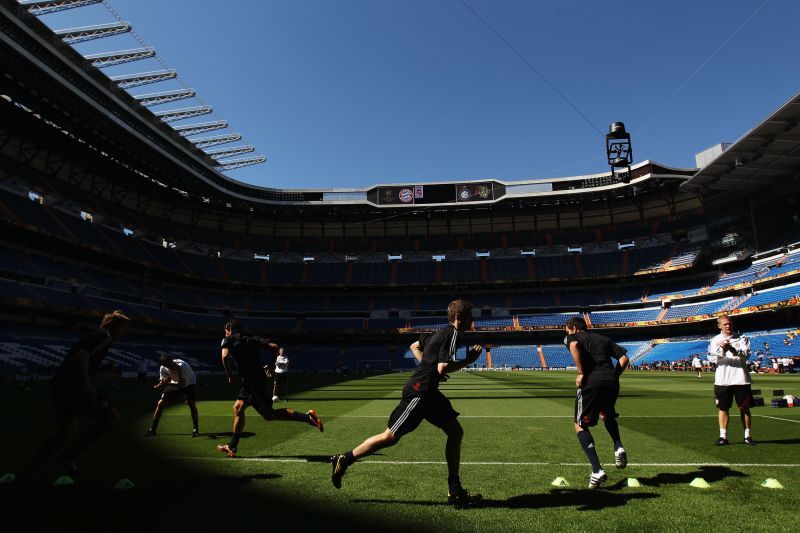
(412, 410)
(73, 403)
(259, 396)
(725, 394)
(595, 399)
(187, 393)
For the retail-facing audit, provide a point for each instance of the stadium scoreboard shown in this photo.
(441, 193)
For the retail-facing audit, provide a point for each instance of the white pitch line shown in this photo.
(777, 418)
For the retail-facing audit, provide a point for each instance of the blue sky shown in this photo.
(354, 93)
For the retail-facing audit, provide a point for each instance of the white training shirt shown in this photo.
(697, 363)
(731, 368)
(281, 364)
(184, 374)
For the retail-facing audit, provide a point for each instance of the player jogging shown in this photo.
(75, 396)
(177, 380)
(730, 352)
(422, 400)
(697, 364)
(598, 389)
(256, 388)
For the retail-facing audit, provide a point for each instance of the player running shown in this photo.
(422, 400)
(178, 381)
(598, 389)
(256, 386)
(730, 351)
(75, 396)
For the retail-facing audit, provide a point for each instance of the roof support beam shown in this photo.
(136, 80)
(109, 59)
(38, 8)
(88, 33)
(165, 97)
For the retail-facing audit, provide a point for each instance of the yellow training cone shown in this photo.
(633, 482)
(64, 481)
(772, 484)
(560, 482)
(700, 483)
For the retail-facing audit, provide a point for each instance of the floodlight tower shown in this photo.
(619, 150)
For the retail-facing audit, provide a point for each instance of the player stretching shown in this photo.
(730, 352)
(598, 389)
(422, 400)
(256, 387)
(177, 380)
(74, 396)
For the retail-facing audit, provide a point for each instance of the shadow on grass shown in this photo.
(229, 481)
(242, 435)
(583, 500)
(712, 474)
(779, 441)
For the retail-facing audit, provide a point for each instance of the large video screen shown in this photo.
(446, 193)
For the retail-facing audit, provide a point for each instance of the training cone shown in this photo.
(633, 482)
(124, 484)
(63, 481)
(772, 484)
(8, 478)
(560, 482)
(700, 483)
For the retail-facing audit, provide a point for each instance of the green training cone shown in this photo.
(700, 483)
(124, 484)
(560, 482)
(8, 478)
(63, 481)
(633, 482)
(772, 483)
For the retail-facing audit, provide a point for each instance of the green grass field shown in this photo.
(518, 438)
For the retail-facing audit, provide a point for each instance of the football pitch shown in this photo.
(518, 439)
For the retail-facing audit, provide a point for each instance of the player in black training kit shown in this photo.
(422, 400)
(598, 389)
(74, 397)
(256, 386)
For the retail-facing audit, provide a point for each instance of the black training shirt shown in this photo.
(245, 351)
(596, 352)
(97, 344)
(437, 348)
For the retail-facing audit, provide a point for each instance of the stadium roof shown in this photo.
(765, 157)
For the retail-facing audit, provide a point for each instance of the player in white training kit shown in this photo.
(697, 364)
(279, 387)
(178, 382)
(730, 352)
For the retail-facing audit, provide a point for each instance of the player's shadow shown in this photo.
(583, 500)
(712, 474)
(778, 441)
(242, 435)
(230, 481)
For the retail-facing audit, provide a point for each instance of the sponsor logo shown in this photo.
(464, 194)
(405, 195)
(418, 191)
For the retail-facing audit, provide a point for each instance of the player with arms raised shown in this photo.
(422, 400)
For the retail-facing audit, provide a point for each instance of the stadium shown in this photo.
(106, 203)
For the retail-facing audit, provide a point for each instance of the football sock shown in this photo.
(154, 425)
(299, 417)
(723, 433)
(613, 431)
(453, 484)
(348, 459)
(234, 443)
(587, 443)
(746, 432)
